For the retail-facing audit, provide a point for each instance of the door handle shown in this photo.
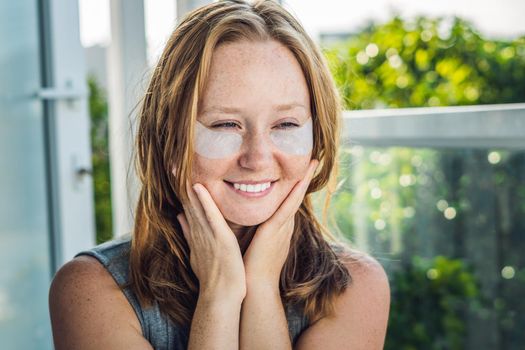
(60, 94)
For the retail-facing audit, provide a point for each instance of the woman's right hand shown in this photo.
(215, 256)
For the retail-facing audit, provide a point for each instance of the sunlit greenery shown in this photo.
(98, 109)
(430, 298)
(427, 62)
(406, 206)
(446, 224)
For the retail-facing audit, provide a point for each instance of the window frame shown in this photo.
(478, 126)
(64, 95)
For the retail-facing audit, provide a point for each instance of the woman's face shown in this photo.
(254, 87)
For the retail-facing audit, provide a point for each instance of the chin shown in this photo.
(248, 220)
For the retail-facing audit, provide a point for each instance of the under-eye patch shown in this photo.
(297, 141)
(217, 144)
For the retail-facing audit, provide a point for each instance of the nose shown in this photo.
(256, 152)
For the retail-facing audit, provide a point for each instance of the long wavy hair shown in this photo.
(160, 272)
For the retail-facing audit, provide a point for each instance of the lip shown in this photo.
(251, 194)
(247, 182)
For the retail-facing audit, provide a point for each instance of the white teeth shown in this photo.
(252, 188)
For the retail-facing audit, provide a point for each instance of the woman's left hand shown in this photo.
(268, 250)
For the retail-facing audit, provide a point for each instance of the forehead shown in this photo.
(255, 77)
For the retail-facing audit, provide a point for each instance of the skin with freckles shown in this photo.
(210, 143)
(257, 91)
(263, 100)
(253, 97)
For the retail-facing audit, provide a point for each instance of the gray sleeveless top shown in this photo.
(156, 327)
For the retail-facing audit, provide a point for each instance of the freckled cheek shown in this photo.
(295, 167)
(208, 170)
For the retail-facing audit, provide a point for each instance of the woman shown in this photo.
(242, 105)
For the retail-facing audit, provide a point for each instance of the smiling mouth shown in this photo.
(254, 193)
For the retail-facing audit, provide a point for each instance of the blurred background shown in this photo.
(432, 163)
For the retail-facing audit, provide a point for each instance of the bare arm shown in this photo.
(215, 324)
(216, 259)
(263, 320)
(361, 313)
(89, 311)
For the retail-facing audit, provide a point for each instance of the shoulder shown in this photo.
(363, 268)
(366, 272)
(88, 309)
(360, 313)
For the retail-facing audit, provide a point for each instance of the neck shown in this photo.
(244, 234)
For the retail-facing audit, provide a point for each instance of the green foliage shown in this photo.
(386, 198)
(427, 62)
(376, 194)
(430, 299)
(402, 204)
(98, 109)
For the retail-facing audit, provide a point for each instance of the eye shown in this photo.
(287, 125)
(225, 125)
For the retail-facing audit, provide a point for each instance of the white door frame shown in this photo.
(65, 96)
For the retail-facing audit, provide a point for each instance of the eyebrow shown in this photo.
(233, 110)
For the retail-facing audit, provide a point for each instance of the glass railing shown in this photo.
(438, 197)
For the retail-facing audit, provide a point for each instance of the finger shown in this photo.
(186, 202)
(184, 225)
(186, 232)
(213, 214)
(195, 211)
(309, 175)
(197, 224)
(297, 194)
(291, 204)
